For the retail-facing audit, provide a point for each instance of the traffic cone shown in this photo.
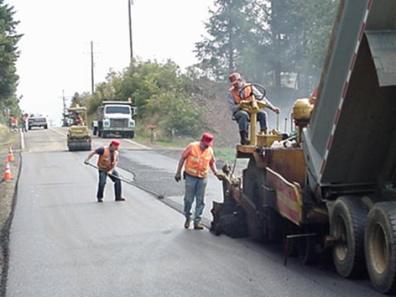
(10, 156)
(7, 173)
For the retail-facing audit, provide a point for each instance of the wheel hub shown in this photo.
(378, 249)
(341, 246)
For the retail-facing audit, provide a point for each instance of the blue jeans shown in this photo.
(102, 182)
(195, 188)
(242, 117)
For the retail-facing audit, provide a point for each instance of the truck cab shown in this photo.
(116, 117)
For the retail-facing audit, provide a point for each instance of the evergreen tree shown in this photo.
(8, 57)
(230, 30)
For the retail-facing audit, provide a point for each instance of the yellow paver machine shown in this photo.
(78, 134)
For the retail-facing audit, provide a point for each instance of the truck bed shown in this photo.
(352, 136)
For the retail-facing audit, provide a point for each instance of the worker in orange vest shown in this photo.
(107, 162)
(196, 158)
(14, 122)
(240, 90)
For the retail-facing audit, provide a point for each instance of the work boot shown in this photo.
(198, 226)
(187, 223)
(244, 137)
(100, 200)
(263, 131)
(120, 199)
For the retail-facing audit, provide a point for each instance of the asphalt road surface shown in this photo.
(63, 243)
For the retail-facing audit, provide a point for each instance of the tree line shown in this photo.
(278, 43)
(163, 95)
(9, 102)
(264, 39)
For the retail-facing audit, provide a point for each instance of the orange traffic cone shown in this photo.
(10, 156)
(7, 173)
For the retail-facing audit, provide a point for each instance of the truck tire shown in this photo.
(380, 246)
(347, 225)
(132, 134)
(45, 126)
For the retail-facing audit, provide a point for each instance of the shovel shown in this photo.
(130, 182)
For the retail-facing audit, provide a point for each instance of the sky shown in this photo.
(55, 48)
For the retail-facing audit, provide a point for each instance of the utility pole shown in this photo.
(92, 69)
(130, 3)
(64, 101)
(64, 120)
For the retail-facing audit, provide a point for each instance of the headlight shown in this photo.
(106, 123)
(131, 123)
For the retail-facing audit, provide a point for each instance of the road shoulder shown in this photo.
(8, 191)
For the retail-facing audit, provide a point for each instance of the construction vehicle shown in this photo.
(333, 190)
(78, 134)
(115, 117)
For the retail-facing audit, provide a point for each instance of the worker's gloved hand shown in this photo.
(276, 110)
(86, 162)
(177, 176)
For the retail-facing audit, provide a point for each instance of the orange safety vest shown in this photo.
(197, 163)
(14, 121)
(104, 161)
(247, 94)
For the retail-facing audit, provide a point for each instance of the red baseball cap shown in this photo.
(115, 143)
(207, 139)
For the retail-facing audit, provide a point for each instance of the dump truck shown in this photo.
(78, 134)
(332, 188)
(116, 117)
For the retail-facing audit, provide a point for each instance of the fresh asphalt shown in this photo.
(63, 243)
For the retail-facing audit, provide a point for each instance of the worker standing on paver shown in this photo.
(196, 158)
(107, 162)
(243, 91)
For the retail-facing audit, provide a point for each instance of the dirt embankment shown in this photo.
(7, 195)
(212, 97)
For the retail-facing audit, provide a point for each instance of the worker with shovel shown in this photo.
(107, 162)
